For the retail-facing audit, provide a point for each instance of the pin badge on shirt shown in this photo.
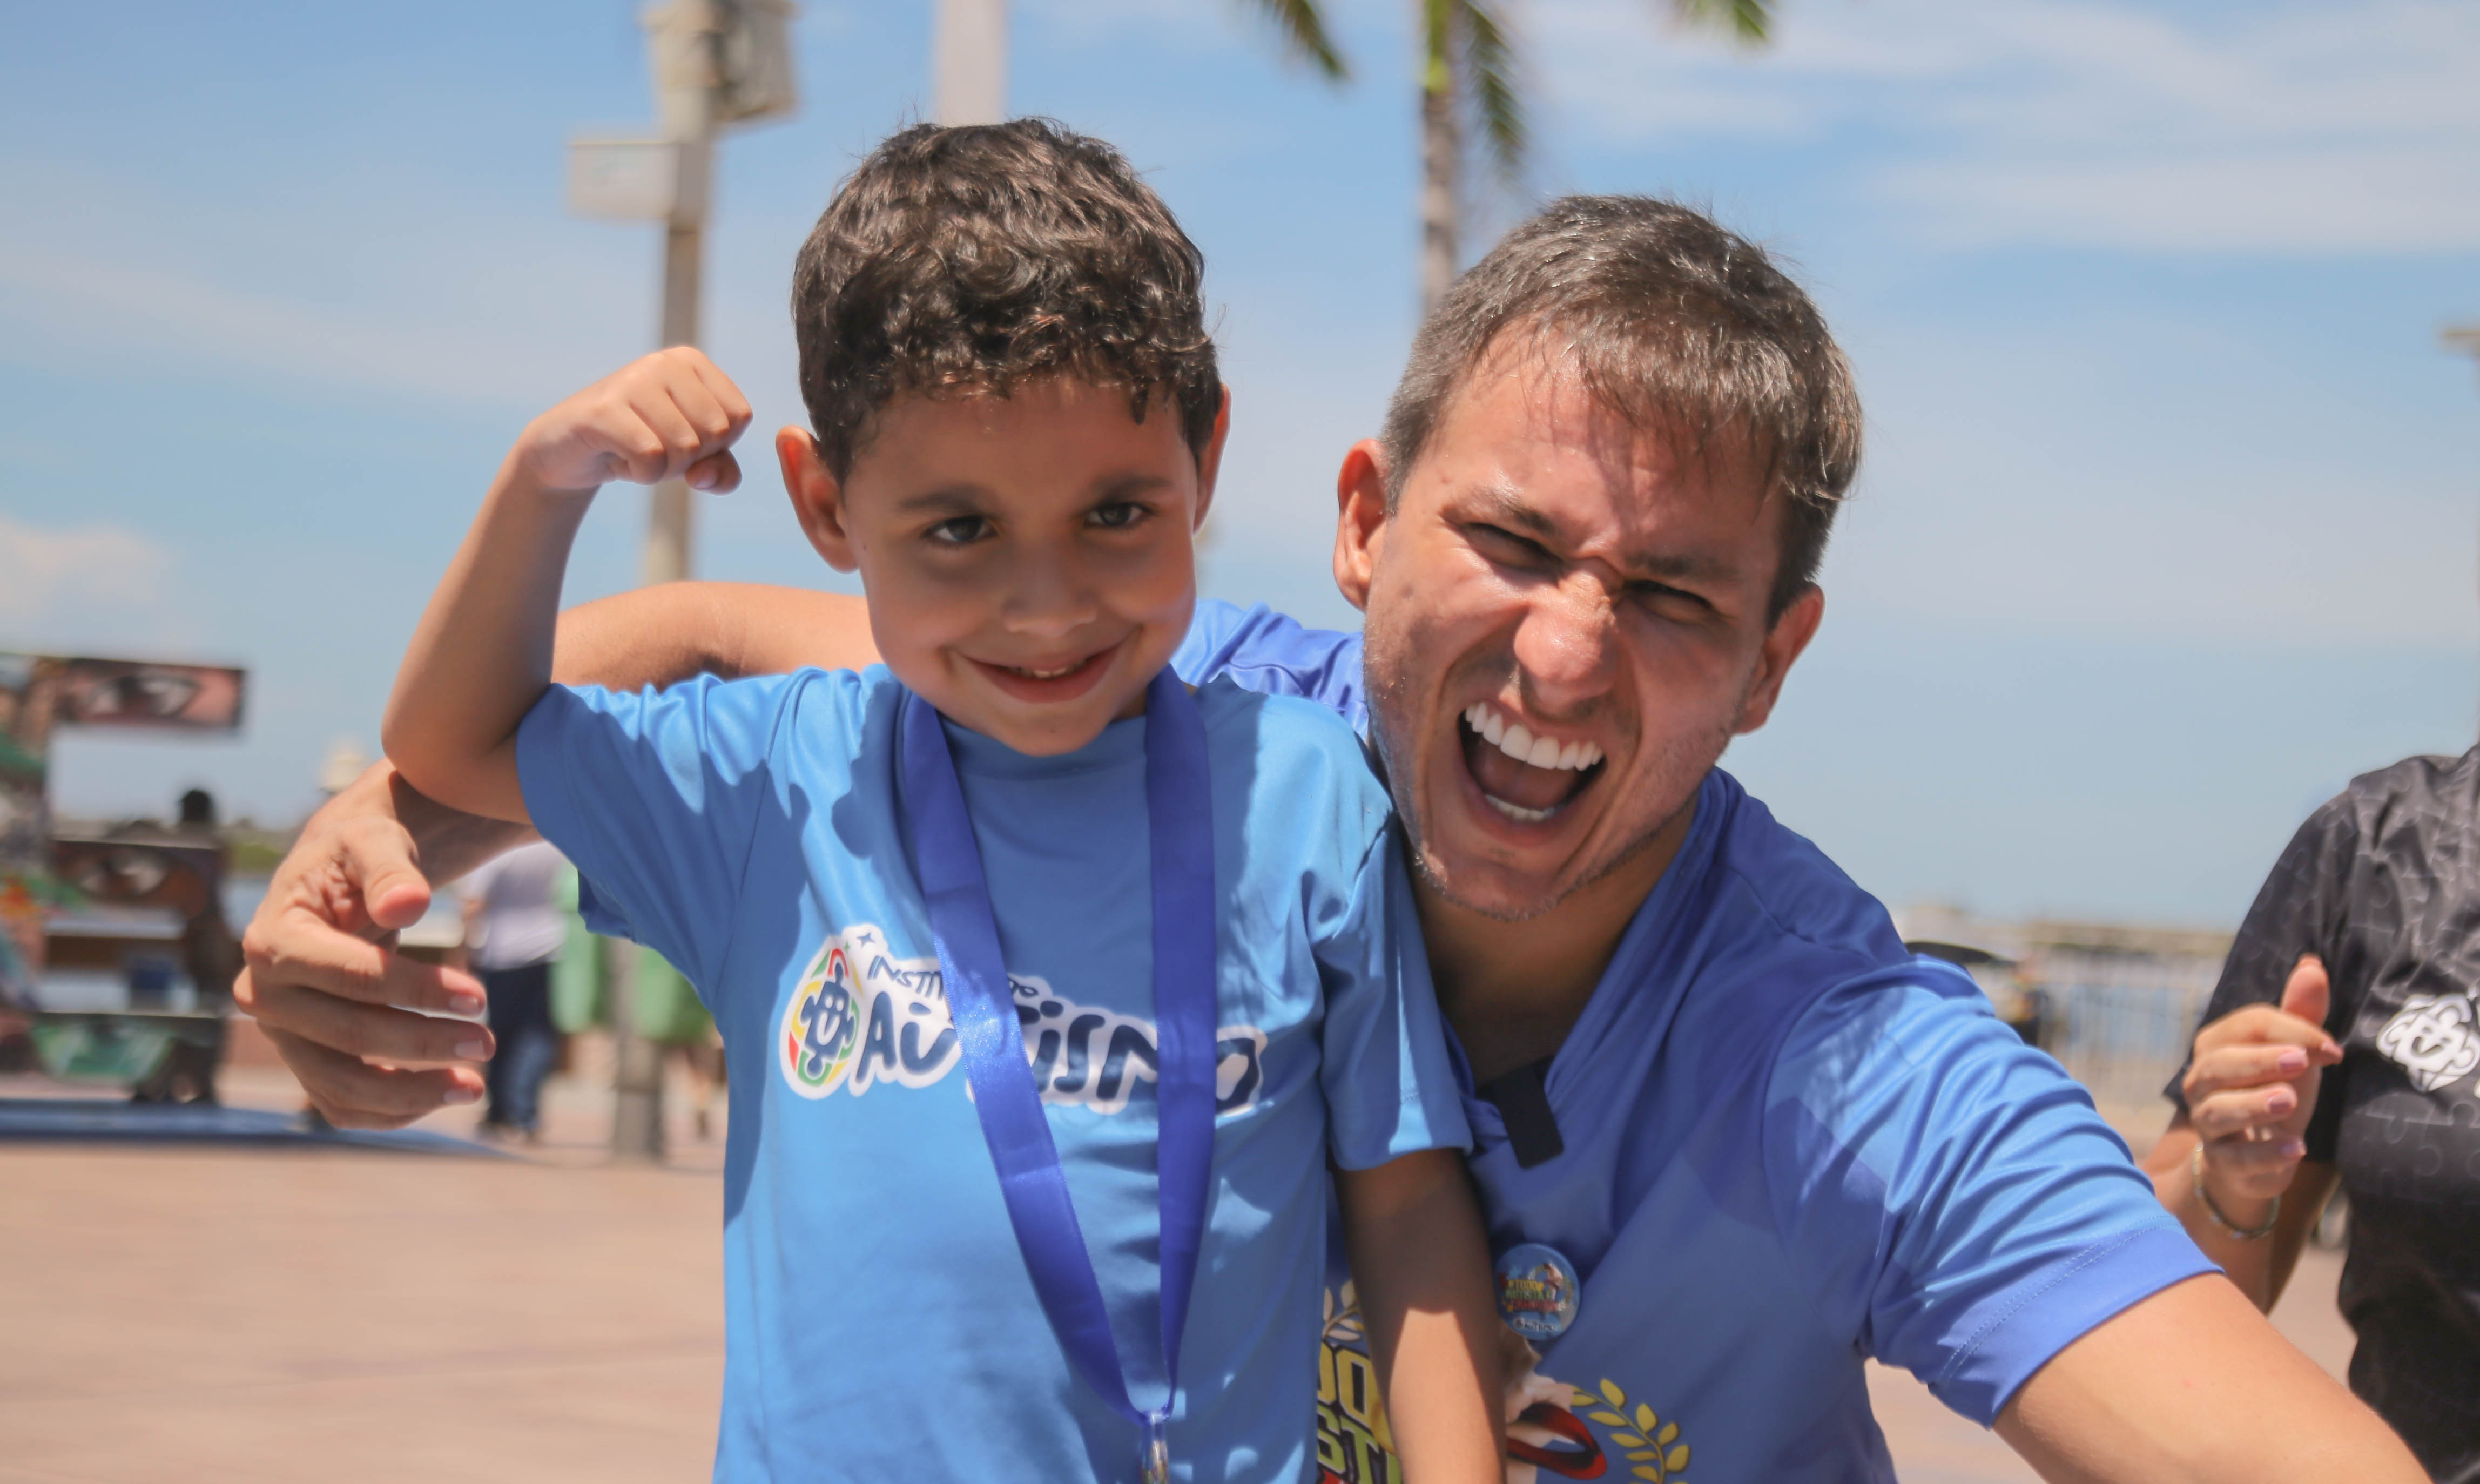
(1537, 1291)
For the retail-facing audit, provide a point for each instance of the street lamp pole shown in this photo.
(714, 63)
(2465, 338)
(969, 62)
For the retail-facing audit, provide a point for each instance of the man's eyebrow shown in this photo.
(1506, 504)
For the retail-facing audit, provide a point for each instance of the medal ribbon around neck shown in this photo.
(1180, 828)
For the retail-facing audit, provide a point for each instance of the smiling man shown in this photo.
(1732, 1140)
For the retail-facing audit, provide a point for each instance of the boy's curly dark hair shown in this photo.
(969, 260)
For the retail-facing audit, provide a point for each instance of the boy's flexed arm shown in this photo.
(483, 653)
(1421, 1265)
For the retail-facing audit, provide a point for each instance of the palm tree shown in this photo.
(968, 54)
(1469, 70)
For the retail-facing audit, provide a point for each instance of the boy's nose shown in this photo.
(1045, 600)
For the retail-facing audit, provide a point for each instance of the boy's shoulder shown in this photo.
(1300, 756)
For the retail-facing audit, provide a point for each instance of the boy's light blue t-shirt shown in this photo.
(1790, 1146)
(880, 1322)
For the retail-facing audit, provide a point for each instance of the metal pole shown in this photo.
(637, 1063)
(669, 552)
(969, 62)
(681, 41)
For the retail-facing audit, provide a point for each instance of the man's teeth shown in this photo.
(1513, 739)
(1517, 812)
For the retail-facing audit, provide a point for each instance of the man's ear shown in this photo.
(817, 497)
(1784, 642)
(1360, 519)
(1209, 459)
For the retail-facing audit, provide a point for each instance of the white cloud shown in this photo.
(2282, 128)
(40, 567)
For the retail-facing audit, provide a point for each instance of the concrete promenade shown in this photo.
(226, 1316)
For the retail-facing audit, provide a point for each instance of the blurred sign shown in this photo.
(637, 180)
(39, 693)
(753, 48)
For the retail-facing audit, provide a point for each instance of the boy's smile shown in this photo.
(1029, 559)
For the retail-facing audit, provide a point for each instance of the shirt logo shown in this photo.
(860, 1017)
(2434, 1037)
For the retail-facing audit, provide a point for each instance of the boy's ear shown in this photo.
(1209, 459)
(817, 496)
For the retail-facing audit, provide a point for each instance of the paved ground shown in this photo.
(275, 1316)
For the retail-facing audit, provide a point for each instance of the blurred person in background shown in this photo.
(514, 929)
(210, 954)
(2340, 1050)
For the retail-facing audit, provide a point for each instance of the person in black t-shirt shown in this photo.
(2344, 1044)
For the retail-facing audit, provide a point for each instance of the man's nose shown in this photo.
(1566, 644)
(1047, 597)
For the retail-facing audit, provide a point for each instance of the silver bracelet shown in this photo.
(2213, 1213)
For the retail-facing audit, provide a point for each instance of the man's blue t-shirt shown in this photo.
(1790, 1146)
(880, 1323)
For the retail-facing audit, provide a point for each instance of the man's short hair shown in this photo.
(971, 260)
(1681, 328)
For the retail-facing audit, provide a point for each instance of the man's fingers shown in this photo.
(368, 1030)
(717, 473)
(2252, 1064)
(301, 949)
(378, 858)
(2309, 993)
(354, 1095)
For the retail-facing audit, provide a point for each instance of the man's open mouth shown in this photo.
(1526, 778)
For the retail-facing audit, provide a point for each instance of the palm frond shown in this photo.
(1304, 37)
(1490, 72)
(1750, 22)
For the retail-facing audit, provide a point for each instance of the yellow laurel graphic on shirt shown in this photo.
(1653, 1449)
(1554, 1430)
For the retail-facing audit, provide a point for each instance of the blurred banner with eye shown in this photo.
(128, 693)
(39, 693)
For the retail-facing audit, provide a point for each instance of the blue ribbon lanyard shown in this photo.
(1180, 814)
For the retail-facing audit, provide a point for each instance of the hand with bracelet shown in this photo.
(2226, 1163)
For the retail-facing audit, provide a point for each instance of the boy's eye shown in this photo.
(1118, 515)
(957, 532)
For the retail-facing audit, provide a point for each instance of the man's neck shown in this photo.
(1512, 990)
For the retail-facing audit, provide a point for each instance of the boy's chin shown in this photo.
(1034, 730)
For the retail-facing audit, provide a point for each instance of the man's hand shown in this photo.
(670, 414)
(2252, 1087)
(344, 1010)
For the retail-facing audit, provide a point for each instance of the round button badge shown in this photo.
(1537, 1291)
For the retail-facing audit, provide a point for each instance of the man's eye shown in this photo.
(959, 531)
(1664, 601)
(1118, 515)
(1501, 545)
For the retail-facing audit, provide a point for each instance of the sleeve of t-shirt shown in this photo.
(656, 796)
(1391, 1090)
(1950, 1192)
(2299, 909)
(1264, 650)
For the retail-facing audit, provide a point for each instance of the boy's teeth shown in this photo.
(1517, 742)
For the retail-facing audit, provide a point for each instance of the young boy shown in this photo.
(1186, 912)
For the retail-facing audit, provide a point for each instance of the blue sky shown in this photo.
(2168, 525)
